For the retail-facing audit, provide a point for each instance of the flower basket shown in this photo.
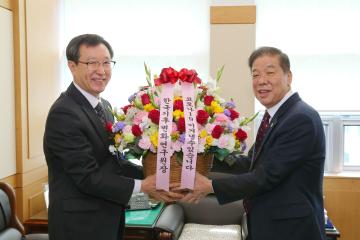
(178, 119)
(203, 165)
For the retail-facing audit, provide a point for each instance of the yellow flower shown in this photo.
(174, 136)
(237, 144)
(203, 133)
(178, 114)
(209, 140)
(121, 117)
(117, 138)
(154, 138)
(177, 98)
(148, 107)
(216, 108)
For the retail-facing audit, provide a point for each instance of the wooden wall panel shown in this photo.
(342, 201)
(8, 4)
(43, 67)
(233, 14)
(36, 42)
(7, 95)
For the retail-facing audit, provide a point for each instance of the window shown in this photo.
(159, 33)
(325, 56)
(342, 131)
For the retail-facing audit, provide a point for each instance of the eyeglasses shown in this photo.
(94, 65)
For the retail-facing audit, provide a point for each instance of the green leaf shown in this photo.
(246, 121)
(221, 153)
(148, 74)
(138, 104)
(219, 74)
(179, 157)
(152, 100)
(129, 155)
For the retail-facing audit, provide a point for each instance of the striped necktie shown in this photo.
(264, 126)
(100, 112)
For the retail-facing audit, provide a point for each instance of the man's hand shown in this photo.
(148, 185)
(202, 187)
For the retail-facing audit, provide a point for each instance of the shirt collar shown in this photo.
(92, 99)
(276, 107)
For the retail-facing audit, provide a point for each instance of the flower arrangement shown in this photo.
(220, 128)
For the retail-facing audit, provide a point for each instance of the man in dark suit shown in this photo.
(88, 187)
(281, 178)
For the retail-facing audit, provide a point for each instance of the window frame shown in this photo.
(335, 123)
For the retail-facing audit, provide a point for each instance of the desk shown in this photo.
(37, 223)
(332, 234)
(133, 230)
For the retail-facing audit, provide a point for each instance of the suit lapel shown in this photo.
(274, 121)
(75, 94)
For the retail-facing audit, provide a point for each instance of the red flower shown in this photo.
(189, 76)
(108, 126)
(154, 116)
(178, 105)
(135, 129)
(208, 99)
(181, 125)
(233, 114)
(217, 131)
(145, 99)
(241, 135)
(202, 117)
(125, 108)
(167, 75)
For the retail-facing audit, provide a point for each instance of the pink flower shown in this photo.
(145, 142)
(176, 146)
(157, 100)
(174, 128)
(139, 117)
(152, 149)
(221, 118)
(209, 128)
(223, 141)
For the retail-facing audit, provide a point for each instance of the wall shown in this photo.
(36, 78)
(7, 94)
(232, 39)
(36, 81)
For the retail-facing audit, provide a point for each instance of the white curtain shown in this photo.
(161, 33)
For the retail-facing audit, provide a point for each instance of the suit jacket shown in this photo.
(88, 187)
(284, 182)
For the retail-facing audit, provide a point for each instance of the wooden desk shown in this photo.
(332, 234)
(39, 224)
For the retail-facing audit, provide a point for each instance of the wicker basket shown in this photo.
(203, 166)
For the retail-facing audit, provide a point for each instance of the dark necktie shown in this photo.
(264, 126)
(100, 112)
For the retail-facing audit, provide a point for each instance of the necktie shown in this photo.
(264, 125)
(100, 112)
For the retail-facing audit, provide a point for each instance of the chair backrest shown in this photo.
(5, 211)
(8, 218)
(209, 211)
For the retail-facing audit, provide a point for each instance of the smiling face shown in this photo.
(92, 81)
(270, 82)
